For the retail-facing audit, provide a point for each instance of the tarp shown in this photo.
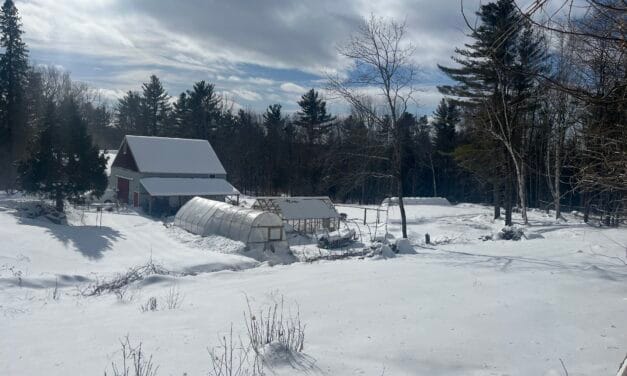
(188, 187)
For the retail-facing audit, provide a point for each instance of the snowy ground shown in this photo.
(461, 306)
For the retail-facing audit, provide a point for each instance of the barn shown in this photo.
(257, 229)
(160, 174)
(304, 214)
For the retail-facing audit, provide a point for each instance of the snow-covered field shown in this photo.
(460, 306)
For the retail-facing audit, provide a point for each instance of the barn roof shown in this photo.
(174, 155)
(187, 187)
(298, 207)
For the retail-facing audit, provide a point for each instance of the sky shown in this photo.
(255, 52)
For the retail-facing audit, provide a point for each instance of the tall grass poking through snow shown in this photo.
(134, 362)
(272, 326)
(231, 358)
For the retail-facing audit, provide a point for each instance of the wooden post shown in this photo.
(365, 211)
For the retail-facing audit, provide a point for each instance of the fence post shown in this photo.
(365, 210)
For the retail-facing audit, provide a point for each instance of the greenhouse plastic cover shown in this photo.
(207, 217)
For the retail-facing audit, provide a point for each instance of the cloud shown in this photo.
(257, 50)
(247, 95)
(290, 87)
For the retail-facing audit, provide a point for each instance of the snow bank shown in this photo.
(403, 246)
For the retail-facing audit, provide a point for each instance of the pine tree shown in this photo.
(128, 116)
(313, 117)
(181, 116)
(13, 82)
(155, 107)
(63, 163)
(445, 118)
(493, 81)
(204, 109)
(274, 152)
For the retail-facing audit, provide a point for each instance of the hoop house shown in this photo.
(253, 227)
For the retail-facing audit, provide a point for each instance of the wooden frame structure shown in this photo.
(304, 214)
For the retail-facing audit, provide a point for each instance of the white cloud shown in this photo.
(247, 95)
(290, 87)
(225, 42)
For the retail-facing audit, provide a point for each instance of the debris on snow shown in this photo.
(511, 233)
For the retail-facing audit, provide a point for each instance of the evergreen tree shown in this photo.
(274, 153)
(493, 81)
(13, 82)
(445, 118)
(128, 117)
(181, 116)
(313, 117)
(155, 107)
(63, 163)
(204, 109)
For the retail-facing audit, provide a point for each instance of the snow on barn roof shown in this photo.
(174, 155)
(299, 207)
(188, 187)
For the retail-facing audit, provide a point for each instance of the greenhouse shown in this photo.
(257, 229)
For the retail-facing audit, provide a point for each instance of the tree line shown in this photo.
(534, 116)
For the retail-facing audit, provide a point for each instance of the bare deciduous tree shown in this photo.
(382, 62)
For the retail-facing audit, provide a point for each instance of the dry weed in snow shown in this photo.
(275, 327)
(134, 362)
(231, 358)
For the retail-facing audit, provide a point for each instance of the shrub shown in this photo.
(275, 327)
(234, 359)
(150, 305)
(134, 362)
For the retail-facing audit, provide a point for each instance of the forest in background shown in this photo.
(534, 116)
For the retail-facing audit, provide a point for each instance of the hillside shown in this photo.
(460, 306)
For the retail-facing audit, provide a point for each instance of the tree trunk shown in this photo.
(496, 191)
(59, 201)
(435, 188)
(558, 194)
(520, 180)
(558, 171)
(508, 199)
(401, 205)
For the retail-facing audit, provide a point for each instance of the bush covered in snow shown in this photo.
(511, 233)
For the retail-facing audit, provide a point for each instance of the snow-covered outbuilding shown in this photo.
(160, 174)
(304, 214)
(439, 201)
(257, 229)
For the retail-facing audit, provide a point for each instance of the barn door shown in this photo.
(123, 186)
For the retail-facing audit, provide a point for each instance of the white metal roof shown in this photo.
(174, 155)
(304, 207)
(188, 187)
